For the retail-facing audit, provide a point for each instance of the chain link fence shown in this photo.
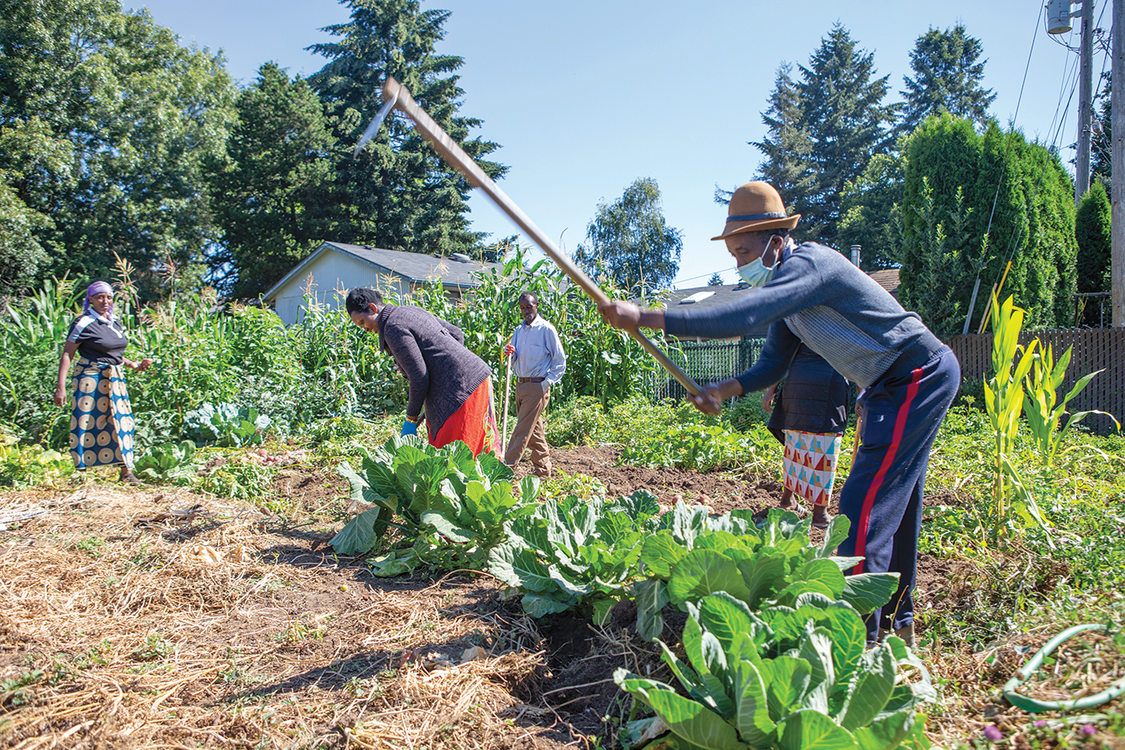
(706, 362)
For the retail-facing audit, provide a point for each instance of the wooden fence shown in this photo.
(1094, 349)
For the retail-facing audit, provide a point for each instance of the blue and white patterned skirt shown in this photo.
(101, 426)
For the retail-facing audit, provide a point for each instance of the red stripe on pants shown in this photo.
(884, 467)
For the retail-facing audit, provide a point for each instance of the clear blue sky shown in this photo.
(588, 95)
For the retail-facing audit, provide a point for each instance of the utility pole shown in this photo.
(1117, 120)
(1085, 102)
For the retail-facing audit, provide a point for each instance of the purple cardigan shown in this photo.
(431, 354)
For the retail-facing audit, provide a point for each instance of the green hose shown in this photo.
(1037, 706)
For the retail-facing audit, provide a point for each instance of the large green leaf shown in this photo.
(824, 572)
(660, 553)
(868, 591)
(650, 596)
(541, 605)
(849, 638)
(812, 730)
(518, 566)
(837, 532)
(762, 575)
(752, 713)
(870, 690)
(703, 572)
(358, 535)
(693, 721)
(886, 733)
(726, 617)
(786, 680)
(446, 527)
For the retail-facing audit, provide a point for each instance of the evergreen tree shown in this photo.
(118, 124)
(947, 76)
(787, 146)
(823, 131)
(397, 193)
(1101, 141)
(630, 241)
(271, 199)
(1095, 246)
(715, 280)
(952, 177)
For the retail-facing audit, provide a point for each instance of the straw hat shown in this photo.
(753, 207)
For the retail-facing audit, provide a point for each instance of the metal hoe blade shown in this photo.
(376, 123)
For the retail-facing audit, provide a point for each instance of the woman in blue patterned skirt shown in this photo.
(101, 426)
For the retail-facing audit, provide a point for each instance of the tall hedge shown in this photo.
(953, 176)
(1095, 246)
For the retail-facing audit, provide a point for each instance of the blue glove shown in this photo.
(409, 428)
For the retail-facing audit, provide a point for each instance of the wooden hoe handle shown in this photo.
(455, 157)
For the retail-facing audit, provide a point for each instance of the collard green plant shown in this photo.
(168, 463)
(693, 555)
(439, 497)
(575, 553)
(226, 425)
(784, 677)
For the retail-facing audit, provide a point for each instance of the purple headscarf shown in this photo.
(98, 287)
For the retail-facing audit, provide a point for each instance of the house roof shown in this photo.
(453, 270)
(888, 279)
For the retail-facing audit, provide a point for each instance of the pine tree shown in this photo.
(823, 131)
(397, 193)
(872, 214)
(947, 76)
(630, 241)
(787, 145)
(715, 280)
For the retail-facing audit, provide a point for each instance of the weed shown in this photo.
(156, 647)
(91, 545)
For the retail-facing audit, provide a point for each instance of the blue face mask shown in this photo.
(755, 273)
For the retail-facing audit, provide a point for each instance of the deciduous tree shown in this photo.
(630, 241)
(138, 117)
(272, 198)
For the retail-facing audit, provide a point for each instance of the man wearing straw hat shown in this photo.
(539, 362)
(810, 293)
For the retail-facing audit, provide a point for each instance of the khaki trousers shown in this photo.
(530, 432)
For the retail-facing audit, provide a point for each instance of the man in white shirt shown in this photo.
(538, 362)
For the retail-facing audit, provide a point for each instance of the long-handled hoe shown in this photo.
(396, 96)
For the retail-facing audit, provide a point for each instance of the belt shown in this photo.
(530, 380)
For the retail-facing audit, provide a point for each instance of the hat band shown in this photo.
(757, 217)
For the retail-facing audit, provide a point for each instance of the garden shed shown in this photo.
(335, 267)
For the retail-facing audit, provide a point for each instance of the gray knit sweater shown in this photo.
(430, 352)
(818, 297)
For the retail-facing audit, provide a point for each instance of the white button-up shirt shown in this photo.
(538, 352)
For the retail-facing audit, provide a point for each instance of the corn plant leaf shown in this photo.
(812, 730)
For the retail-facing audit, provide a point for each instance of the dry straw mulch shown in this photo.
(146, 619)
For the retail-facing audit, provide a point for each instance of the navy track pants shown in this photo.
(882, 496)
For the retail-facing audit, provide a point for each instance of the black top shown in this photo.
(429, 351)
(813, 398)
(98, 339)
